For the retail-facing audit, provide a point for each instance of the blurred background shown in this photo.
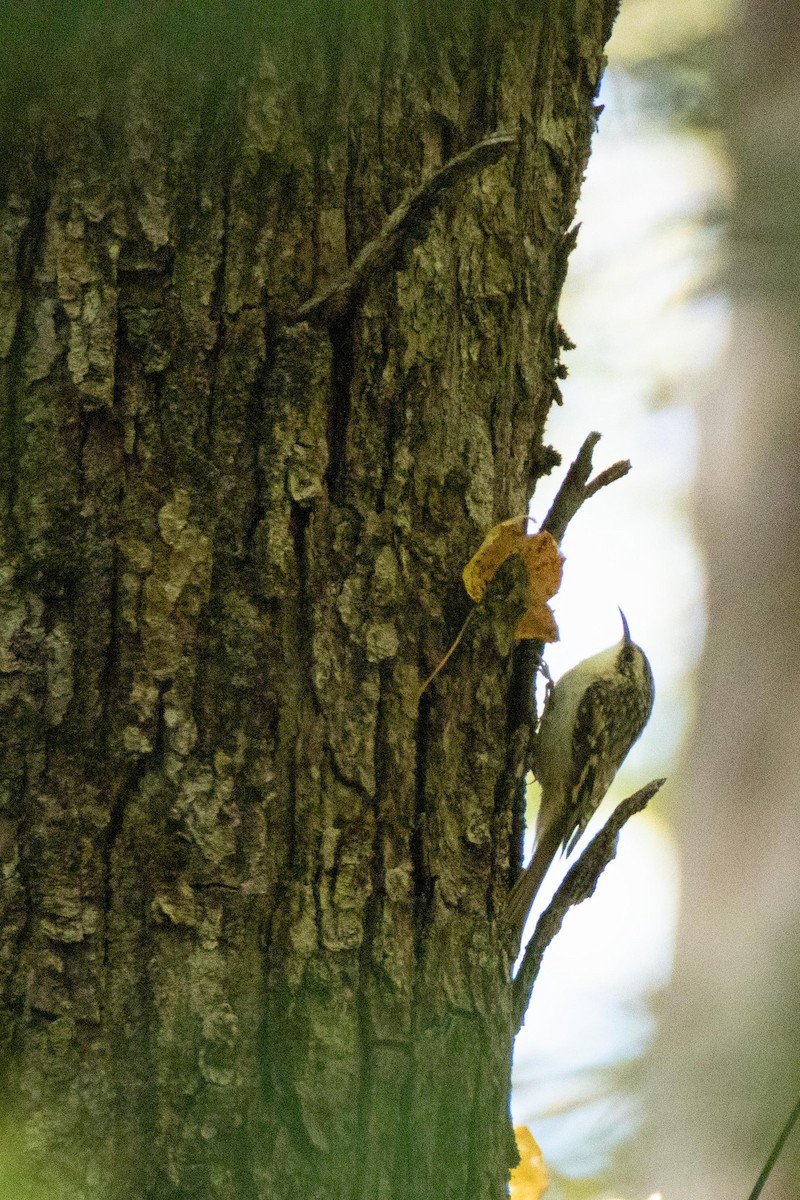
(661, 1053)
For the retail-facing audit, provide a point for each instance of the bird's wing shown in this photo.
(594, 759)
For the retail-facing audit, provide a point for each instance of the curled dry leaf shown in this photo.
(529, 1179)
(543, 563)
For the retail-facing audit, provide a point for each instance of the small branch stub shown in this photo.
(578, 885)
(408, 220)
(577, 487)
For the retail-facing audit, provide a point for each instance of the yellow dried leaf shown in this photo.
(529, 1179)
(543, 563)
(500, 543)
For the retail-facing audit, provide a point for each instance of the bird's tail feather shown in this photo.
(524, 891)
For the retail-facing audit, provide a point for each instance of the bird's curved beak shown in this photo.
(626, 633)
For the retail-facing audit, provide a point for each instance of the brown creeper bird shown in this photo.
(591, 718)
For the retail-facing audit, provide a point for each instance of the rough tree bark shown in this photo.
(249, 880)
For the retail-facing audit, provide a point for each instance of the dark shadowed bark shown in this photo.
(249, 880)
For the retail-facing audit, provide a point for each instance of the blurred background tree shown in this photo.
(703, 105)
(727, 1070)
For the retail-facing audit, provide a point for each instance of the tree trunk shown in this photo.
(249, 879)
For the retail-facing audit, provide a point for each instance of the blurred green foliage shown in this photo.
(15, 1178)
(53, 43)
(64, 56)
